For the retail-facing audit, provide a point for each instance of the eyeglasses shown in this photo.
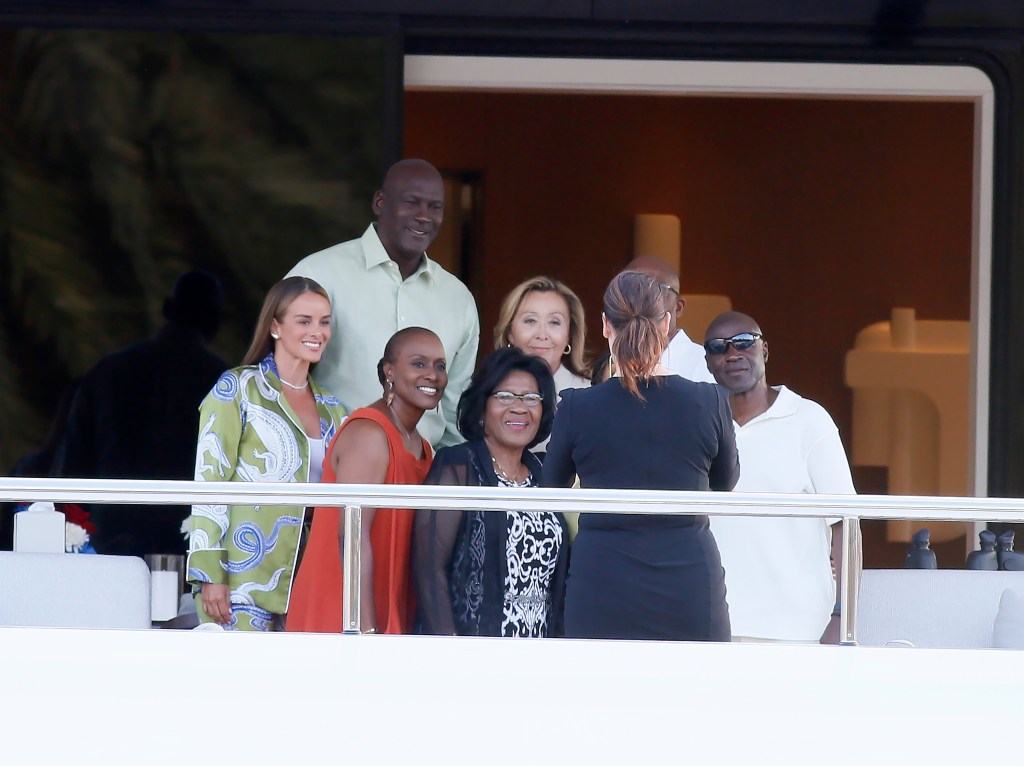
(507, 398)
(671, 289)
(740, 342)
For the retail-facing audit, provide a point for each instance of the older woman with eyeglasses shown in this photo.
(490, 573)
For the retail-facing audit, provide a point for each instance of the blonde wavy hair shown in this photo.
(575, 360)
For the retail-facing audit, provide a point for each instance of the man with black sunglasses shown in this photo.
(779, 578)
(682, 356)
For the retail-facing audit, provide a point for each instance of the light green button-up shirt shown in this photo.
(370, 302)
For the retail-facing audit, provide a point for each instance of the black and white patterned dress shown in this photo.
(531, 551)
(460, 561)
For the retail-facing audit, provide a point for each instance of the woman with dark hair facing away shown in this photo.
(644, 576)
(490, 573)
(378, 444)
(264, 421)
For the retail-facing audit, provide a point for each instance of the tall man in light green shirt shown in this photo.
(383, 282)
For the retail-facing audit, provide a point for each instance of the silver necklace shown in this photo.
(504, 473)
(292, 385)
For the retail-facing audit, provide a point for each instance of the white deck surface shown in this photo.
(113, 697)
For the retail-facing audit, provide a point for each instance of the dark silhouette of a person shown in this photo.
(135, 415)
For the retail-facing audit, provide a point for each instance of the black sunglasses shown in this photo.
(740, 342)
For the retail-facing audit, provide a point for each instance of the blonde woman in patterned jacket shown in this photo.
(265, 421)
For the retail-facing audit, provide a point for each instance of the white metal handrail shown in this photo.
(156, 492)
(353, 497)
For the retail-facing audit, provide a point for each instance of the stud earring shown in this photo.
(275, 336)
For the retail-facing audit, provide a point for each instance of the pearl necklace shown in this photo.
(504, 473)
(292, 385)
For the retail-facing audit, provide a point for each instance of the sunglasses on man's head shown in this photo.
(741, 342)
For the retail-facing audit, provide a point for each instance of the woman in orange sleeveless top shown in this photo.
(378, 444)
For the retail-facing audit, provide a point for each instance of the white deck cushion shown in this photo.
(74, 590)
(939, 608)
(1008, 631)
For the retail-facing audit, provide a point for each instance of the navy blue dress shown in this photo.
(645, 577)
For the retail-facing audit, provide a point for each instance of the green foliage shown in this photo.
(127, 158)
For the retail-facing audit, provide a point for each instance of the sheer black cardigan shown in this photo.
(443, 570)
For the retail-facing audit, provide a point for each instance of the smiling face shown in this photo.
(303, 331)
(409, 209)
(541, 326)
(737, 371)
(513, 425)
(419, 372)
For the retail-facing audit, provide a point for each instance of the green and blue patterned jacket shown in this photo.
(248, 432)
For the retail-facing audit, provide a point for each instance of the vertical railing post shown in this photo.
(351, 569)
(852, 561)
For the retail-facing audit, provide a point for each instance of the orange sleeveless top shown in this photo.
(317, 593)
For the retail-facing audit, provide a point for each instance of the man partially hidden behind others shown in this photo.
(682, 356)
(778, 571)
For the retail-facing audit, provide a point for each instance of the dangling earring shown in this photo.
(275, 336)
(568, 349)
(391, 392)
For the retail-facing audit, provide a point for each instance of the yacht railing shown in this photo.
(353, 497)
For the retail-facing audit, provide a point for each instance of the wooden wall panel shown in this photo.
(815, 216)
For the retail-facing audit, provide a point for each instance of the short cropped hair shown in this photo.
(394, 343)
(497, 366)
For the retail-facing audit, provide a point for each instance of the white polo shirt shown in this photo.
(778, 573)
(686, 359)
(370, 302)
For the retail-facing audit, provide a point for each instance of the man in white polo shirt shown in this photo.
(682, 356)
(778, 572)
(384, 282)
